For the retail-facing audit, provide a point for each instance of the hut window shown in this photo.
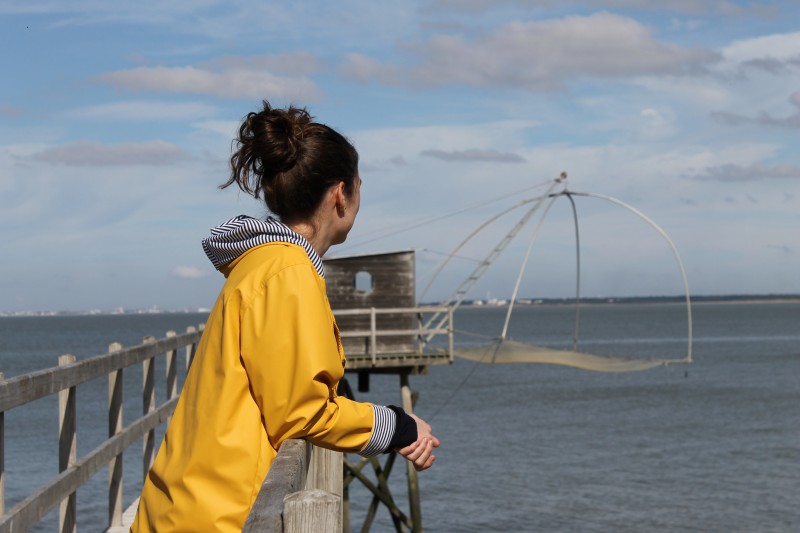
(363, 282)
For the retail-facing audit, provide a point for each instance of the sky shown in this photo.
(116, 122)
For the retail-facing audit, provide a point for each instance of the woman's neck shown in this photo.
(316, 238)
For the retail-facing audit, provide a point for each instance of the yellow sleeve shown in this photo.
(294, 363)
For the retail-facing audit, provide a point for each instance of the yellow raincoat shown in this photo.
(266, 370)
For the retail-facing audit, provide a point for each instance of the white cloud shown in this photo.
(474, 154)
(702, 92)
(780, 47)
(764, 118)
(363, 69)
(755, 171)
(95, 154)
(721, 7)
(233, 83)
(298, 63)
(189, 272)
(656, 123)
(226, 128)
(144, 110)
(388, 143)
(538, 55)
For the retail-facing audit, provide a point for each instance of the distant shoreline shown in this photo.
(611, 300)
(699, 300)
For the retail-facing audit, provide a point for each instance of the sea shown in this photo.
(710, 446)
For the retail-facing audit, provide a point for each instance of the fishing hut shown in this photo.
(383, 331)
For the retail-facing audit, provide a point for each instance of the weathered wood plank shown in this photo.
(67, 449)
(390, 332)
(128, 516)
(286, 475)
(191, 348)
(148, 406)
(172, 370)
(114, 428)
(325, 470)
(35, 385)
(392, 310)
(312, 511)
(413, 484)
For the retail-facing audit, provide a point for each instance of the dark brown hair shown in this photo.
(282, 155)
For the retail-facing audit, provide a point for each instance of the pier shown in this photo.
(307, 488)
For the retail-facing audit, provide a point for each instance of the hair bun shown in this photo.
(278, 137)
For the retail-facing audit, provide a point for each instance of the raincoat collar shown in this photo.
(233, 238)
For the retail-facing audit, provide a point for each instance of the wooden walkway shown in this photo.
(127, 519)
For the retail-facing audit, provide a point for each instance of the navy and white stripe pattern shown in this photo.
(234, 237)
(382, 431)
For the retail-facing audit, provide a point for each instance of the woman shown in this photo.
(270, 359)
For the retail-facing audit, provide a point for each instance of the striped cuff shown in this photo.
(382, 431)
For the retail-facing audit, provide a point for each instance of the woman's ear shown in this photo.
(339, 195)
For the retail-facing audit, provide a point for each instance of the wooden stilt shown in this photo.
(413, 485)
(381, 491)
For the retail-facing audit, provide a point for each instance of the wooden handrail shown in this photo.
(286, 475)
(302, 492)
(391, 310)
(422, 333)
(391, 332)
(35, 385)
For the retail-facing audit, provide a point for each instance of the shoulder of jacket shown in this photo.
(274, 256)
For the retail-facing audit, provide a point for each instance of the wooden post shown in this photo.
(346, 508)
(172, 373)
(115, 427)
(326, 472)
(288, 474)
(311, 511)
(450, 331)
(413, 486)
(190, 349)
(148, 406)
(67, 448)
(373, 339)
(2, 458)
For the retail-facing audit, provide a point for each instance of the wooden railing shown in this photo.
(422, 333)
(73, 471)
(302, 492)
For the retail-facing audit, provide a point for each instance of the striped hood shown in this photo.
(233, 238)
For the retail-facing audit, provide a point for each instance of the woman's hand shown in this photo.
(420, 452)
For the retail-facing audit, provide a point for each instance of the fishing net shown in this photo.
(510, 351)
(503, 349)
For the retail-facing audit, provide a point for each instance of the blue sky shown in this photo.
(116, 122)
